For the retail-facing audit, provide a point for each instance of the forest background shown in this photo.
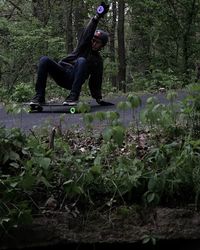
(152, 43)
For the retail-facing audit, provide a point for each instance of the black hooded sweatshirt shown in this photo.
(94, 59)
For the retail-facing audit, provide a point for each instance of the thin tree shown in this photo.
(68, 9)
(41, 10)
(121, 46)
(112, 43)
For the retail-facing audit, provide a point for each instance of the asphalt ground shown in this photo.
(56, 116)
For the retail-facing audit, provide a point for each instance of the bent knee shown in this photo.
(44, 59)
(81, 60)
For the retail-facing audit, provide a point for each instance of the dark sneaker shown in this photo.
(37, 99)
(71, 100)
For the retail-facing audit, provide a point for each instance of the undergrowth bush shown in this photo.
(119, 166)
(23, 92)
(154, 79)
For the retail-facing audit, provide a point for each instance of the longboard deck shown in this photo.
(36, 108)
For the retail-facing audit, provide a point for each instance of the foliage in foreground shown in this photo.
(152, 163)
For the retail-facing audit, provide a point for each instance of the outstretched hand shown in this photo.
(102, 9)
(103, 103)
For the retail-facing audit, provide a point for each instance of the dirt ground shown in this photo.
(118, 226)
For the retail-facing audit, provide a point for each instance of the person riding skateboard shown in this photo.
(83, 63)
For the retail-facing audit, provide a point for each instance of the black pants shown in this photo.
(71, 78)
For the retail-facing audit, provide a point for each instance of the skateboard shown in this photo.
(50, 107)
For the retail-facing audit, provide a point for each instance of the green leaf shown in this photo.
(44, 181)
(145, 240)
(112, 115)
(44, 162)
(97, 160)
(107, 134)
(13, 184)
(150, 197)
(96, 169)
(14, 164)
(13, 156)
(124, 105)
(135, 101)
(100, 115)
(25, 217)
(118, 135)
(153, 183)
(4, 220)
(88, 118)
(172, 95)
(83, 107)
(67, 182)
(28, 181)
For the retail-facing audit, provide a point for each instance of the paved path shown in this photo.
(27, 121)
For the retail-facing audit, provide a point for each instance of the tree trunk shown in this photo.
(41, 10)
(68, 9)
(79, 14)
(121, 47)
(112, 44)
(186, 37)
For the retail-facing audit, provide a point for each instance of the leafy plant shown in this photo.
(108, 168)
(191, 109)
(22, 92)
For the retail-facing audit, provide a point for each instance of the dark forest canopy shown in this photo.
(147, 38)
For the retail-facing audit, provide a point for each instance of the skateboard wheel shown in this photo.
(35, 108)
(40, 109)
(100, 9)
(72, 110)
